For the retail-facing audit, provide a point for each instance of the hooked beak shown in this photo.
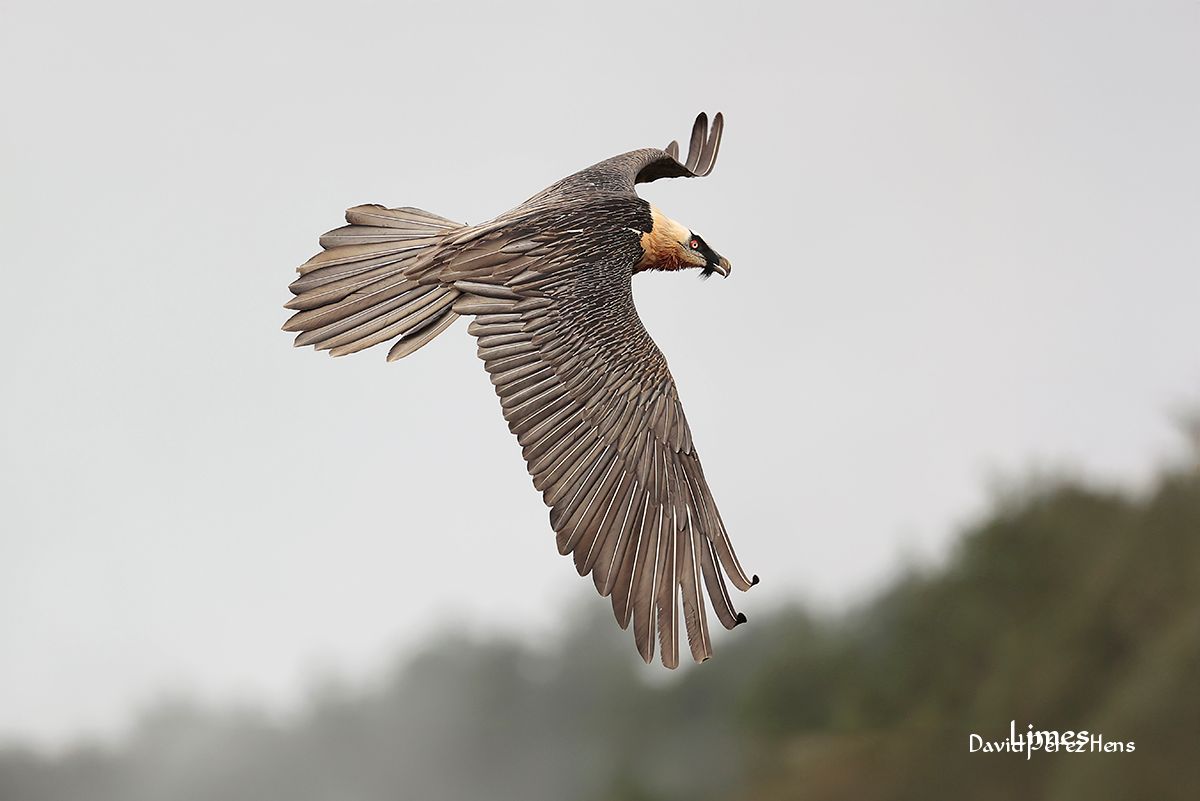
(723, 267)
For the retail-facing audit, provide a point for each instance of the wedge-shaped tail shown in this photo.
(360, 292)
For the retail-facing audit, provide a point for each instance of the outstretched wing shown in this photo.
(589, 397)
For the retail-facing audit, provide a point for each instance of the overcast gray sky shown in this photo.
(965, 242)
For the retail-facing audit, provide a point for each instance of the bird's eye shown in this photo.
(695, 244)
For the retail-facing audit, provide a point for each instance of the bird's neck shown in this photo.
(661, 245)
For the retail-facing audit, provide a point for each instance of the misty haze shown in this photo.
(943, 404)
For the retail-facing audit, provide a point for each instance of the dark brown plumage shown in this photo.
(582, 385)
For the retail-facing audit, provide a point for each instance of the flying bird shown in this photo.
(581, 383)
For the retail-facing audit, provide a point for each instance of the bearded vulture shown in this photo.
(581, 383)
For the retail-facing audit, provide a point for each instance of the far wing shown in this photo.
(589, 397)
(619, 174)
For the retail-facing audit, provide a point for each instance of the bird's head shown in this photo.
(670, 245)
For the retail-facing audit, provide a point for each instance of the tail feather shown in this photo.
(358, 293)
(341, 323)
(405, 217)
(350, 261)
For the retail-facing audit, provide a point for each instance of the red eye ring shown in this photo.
(695, 244)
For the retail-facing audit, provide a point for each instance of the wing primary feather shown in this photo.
(609, 538)
(585, 528)
(545, 452)
(645, 568)
(709, 157)
(626, 569)
(616, 545)
(666, 592)
(628, 527)
(581, 471)
(699, 134)
(579, 528)
(720, 539)
(577, 492)
(705, 524)
(718, 593)
(715, 526)
(598, 522)
(538, 440)
(574, 468)
(561, 461)
(688, 569)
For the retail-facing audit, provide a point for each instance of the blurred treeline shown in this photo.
(1068, 606)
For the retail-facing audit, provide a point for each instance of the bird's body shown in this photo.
(581, 383)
